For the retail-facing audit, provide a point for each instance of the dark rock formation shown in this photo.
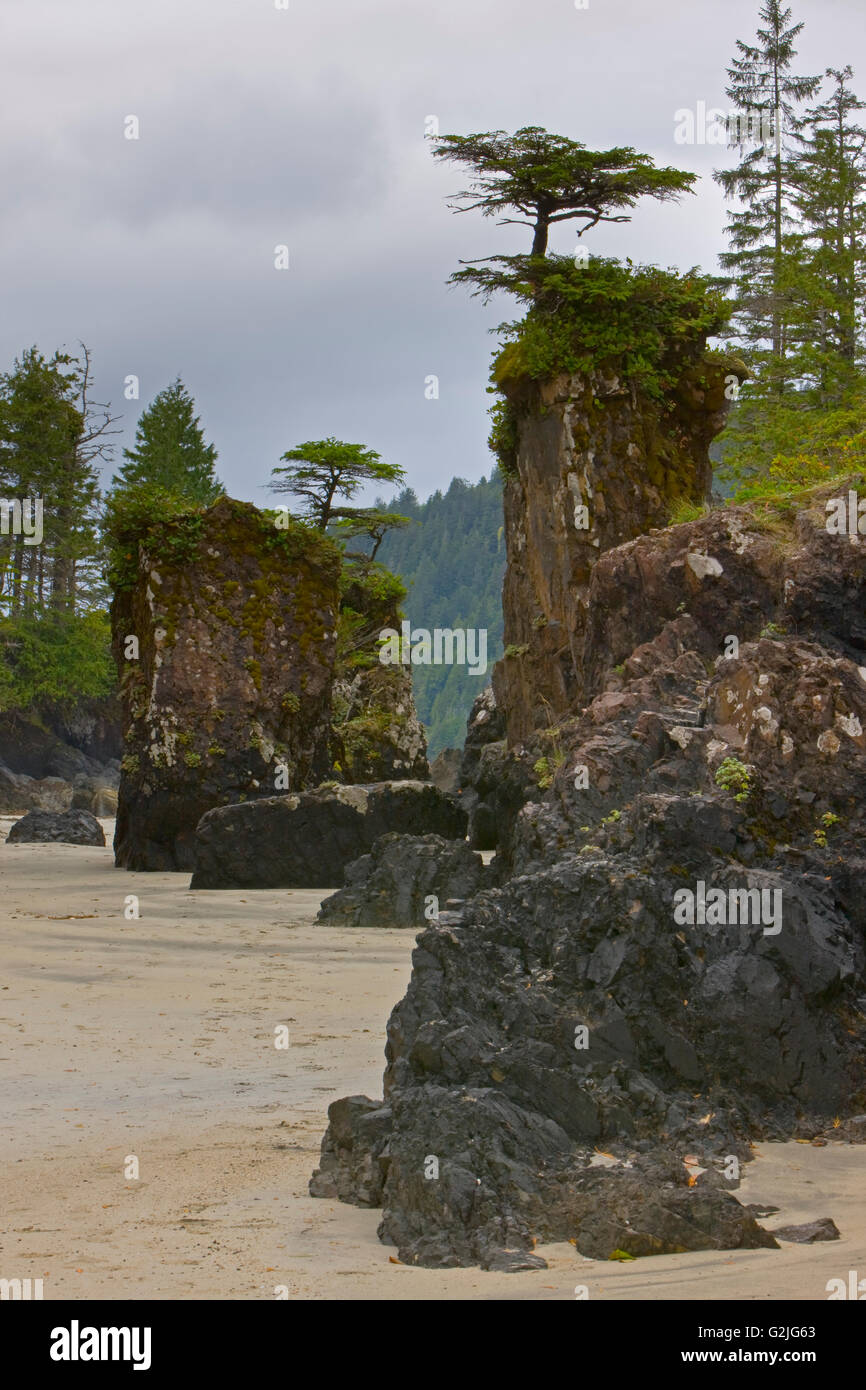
(810, 1232)
(594, 465)
(494, 780)
(390, 886)
(56, 757)
(306, 841)
(68, 828)
(229, 698)
(19, 792)
(578, 1006)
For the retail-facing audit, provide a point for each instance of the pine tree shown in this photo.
(761, 83)
(51, 434)
(830, 198)
(170, 451)
(323, 471)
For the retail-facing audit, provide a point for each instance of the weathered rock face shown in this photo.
(700, 765)
(229, 699)
(595, 464)
(19, 792)
(378, 736)
(390, 886)
(445, 770)
(306, 841)
(55, 757)
(494, 781)
(68, 828)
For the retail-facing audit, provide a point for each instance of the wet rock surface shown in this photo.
(306, 841)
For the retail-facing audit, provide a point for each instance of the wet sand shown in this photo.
(154, 1039)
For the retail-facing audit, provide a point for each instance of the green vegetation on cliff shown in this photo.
(640, 319)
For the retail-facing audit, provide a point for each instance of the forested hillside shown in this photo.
(451, 559)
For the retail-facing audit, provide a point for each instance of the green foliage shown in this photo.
(51, 435)
(764, 183)
(502, 440)
(797, 264)
(323, 470)
(687, 511)
(169, 525)
(775, 448)
(170, 450)
(370, 523)
(56, 658)
(828, 821)
(640, 319)
(452, 563)
(370, 598)
(544, 772)
(735, 777)
(548, 179)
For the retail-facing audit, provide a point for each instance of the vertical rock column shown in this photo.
(224, 637)
(594, 465)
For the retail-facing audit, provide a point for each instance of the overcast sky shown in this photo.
(305, 126)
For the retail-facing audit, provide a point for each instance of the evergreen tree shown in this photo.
(51, 436)
(170, 451)
(324, 470)
(830, 198)
(549, 178)
(762, 86)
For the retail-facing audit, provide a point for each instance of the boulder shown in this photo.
(810, 1232)
(18, 792)
(307, 840)
(68, 828)
(391, 886)
(467, 1177)
(445, 770)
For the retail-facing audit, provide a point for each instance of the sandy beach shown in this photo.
(155, 1038)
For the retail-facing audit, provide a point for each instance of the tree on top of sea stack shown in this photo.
(170, 451)
(323, 470)
(549, 178)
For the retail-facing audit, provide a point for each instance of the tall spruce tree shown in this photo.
(170, 451)
(764, 181)
(830, 198)
(51, 436)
